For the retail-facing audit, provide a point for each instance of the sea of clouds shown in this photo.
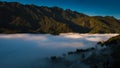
(28, 50)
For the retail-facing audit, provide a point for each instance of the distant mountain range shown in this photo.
(19, 18)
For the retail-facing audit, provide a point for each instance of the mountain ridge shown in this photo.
(19, 18)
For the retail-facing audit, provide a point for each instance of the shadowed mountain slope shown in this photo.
(19, 18)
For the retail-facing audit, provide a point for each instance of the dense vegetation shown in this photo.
(114, 44)
(113, 40)
(19, 18)
(104, 55)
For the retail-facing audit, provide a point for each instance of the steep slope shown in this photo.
(19, 18)
(98, 24)
(114, 43)
(100, 56)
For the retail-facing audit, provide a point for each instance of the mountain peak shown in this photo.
(19, 18)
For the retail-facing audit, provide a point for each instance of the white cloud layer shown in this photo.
(18, 50)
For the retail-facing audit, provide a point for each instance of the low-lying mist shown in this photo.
(31, 50)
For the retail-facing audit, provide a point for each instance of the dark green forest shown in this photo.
(20, 18)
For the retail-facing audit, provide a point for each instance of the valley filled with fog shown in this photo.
(31, 50)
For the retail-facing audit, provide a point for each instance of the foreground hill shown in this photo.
(19, 18)
(103, 55)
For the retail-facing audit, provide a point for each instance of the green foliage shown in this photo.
(113, 40)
